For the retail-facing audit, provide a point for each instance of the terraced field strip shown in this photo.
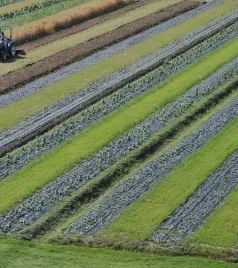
(59, 45)
(10, 139)
(64, 43)
(127, 191)
(90, 115)
(220, 228)
(215, 187)
(145, 104)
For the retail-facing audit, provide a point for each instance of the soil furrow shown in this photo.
(129, 190)
(37, 125)
(189, 216)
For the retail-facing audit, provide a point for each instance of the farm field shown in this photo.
(119, 133)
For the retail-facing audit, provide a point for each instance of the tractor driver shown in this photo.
(2, 36)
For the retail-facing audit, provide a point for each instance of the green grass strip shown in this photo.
(21, 109)
(142, 217)
(39, 13)
(92, 32)
(18, 5)
(85, 143)
(221, 227)
(21, 254)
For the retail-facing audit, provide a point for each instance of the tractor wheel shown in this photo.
(4, 56)
(13, 51)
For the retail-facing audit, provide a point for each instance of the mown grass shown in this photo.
(82, 36)
(141, 49)
(16, 253)
(142, 217)
(53, 163)
(221, 227)
(15, 112)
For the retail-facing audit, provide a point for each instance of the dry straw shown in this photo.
(65, 19)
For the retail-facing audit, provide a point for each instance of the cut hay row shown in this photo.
(67, 183)
(189, 216)
(46, 119)
(169, 35)
(64, 19)
(114, 202)
(24, 155)
(62, 73)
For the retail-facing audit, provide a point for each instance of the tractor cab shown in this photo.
(7, 45)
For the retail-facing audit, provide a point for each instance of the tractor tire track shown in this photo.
(50, 195)
(101, 213)
(72, 104)
(22, 156)
(190, 215)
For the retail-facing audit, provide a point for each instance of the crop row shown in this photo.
(71, 104)
(29, 9)
(24, 155)
(130, 189)
(189, 216)
(35, 206)
(75, 67)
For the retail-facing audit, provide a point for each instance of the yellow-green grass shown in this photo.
(143, 216)
(19, 185)
(72, 40)
(18, 5)
(221, 227)
(21, 254)
(17, 111)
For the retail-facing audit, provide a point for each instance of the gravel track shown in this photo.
(70, 105)
(189, 216)
(31, 151)
(45, 81)
(50, 195)
(129, 190)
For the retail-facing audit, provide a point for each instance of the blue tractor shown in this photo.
(7, 45)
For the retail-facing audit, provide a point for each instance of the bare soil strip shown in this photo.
(24, 132)
(26, 74)
(190, 215)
